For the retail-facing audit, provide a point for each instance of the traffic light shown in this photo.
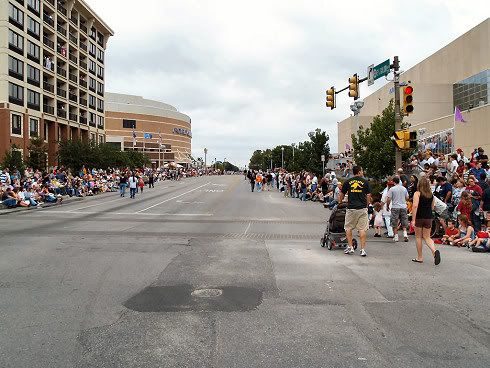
(405, 139)
(331, 100)
(407, 100)
(354, 86)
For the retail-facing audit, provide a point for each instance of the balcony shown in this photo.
(83, 83)
(83, 46)
(61, 30)
(73, 117)
(73, 39)
(48, 65)
(83, 65)
(83, 101)
(73, 97)
(83, 28)
(73, 58)
(62, 113)
(62, 9)
(48, 87)
(73, 77)
(61, 72)
(61, 92)
(48, 109)
(83, 120)
(74, 20)
(51, 2)
(48, 42)
(48, 19)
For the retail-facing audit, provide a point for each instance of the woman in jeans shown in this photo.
(423, 205)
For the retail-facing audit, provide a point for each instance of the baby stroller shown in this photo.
(334, 233)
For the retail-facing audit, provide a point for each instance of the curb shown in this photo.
(5, 212)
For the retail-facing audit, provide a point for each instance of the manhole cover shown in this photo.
(207, 293)
(180, 298)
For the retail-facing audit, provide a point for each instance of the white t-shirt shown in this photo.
(384, 196)
(453, 166)
(133, 182)
(430, 160)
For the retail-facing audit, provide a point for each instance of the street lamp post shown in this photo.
(205, 161)
(282, 157)
(224, 166)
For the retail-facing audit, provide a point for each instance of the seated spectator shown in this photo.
(9, 199)
(451, 233)
(481, 243)
(467, 233)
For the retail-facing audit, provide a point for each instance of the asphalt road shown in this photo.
(204, 273)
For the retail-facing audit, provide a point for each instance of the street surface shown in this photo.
(204, 273)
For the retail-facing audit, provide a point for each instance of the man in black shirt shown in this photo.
(359, 195)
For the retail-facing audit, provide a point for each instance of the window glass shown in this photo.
(33, 127)
(16, 40)
(33, 26)
(16, 124)
(16, 66)
(16, 14)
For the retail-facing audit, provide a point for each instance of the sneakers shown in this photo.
(405, 239)
(395, 238)
(363, 253)
(377, 235)
(349, 250)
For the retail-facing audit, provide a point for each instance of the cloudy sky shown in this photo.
(252, 74)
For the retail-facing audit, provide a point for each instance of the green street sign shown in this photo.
(381, 70)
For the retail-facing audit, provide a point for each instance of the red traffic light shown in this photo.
(408, 90)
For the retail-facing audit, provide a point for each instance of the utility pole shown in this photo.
(398, 115)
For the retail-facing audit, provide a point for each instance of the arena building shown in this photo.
(457, 75)
(155, 128)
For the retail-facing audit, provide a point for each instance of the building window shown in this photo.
(34, 5)
(100, 104)
(92, 119)
(33, 75)
(129, 124)
(100, 88)
(16, 94)
(33, 127)
(91, 101)
(45, 130)
(473, 91)
(100, 72)
(92, 49)
(16, 16)
(16, 124)
(91, 66)
(100, 55)
(100, 122)
(33, 27)
(32, 51)
(92, 84)
(101, 139)
(16, 68)
(92, 137)
(33, 100)
(16, 42)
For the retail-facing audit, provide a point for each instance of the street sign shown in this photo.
(381, 70)
(370, 75)
(323, 158)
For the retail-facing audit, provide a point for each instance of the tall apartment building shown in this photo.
(51, 73)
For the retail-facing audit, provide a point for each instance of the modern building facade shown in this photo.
(52, 73)
(160, 130)
(457, 75)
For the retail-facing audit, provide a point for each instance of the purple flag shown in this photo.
(458, 116)
(347, 147)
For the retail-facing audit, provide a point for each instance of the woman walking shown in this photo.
(423, 205)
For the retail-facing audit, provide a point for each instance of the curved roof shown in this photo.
(118, 102)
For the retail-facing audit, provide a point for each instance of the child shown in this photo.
(481, 243)
(451, 233)
(467, 233)
(378, 219)
(465, 205)
(141, 184)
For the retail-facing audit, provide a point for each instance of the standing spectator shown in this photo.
(412, 186)
(385, 211)
(403, 178)
(359, 195)
(141, 184)
(482, 158)
(397, 198)
(475, 194)
(452, 166)
(133, 185)
(151, 180)
(423, 204)
(123, 182)
(478, 171)
(443, 190)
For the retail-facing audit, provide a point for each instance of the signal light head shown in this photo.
(408, 90)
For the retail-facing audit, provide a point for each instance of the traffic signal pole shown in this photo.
(398, 115)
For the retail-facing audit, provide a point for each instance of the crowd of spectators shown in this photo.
(31, 188)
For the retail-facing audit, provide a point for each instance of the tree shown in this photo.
(373, 149)
(37, 154)
(13, 159)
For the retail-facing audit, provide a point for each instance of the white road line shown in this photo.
(127, 213)
(248, 227)
(171, 199)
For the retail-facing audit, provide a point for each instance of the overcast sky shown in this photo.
(253, 74)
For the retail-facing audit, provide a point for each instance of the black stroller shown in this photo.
(334, 233)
